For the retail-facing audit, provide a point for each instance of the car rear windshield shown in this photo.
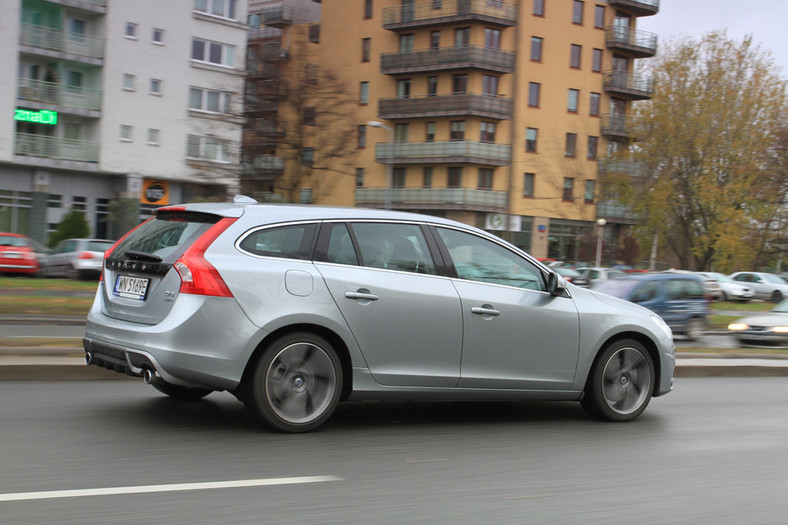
(166, 236)
(12, 240)
(99, 246)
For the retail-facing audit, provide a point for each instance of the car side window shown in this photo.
(676, 289)
(340, 246)
(290, 242)
(479, 259)
(393, 246)
(645, 292)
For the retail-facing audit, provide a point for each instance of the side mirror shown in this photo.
(556, 285)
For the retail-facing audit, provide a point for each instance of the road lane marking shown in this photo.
(176, 487)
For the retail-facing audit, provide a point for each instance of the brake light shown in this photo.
(198, 276)
(85, 255)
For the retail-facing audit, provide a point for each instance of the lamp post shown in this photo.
(389, 159)
(600, 223)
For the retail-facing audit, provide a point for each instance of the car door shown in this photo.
(684, 298)
(515, 334)
(406, 319)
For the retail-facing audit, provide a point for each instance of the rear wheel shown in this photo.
(296, 385)
(182, 393)
(621, 382)
(777, 296)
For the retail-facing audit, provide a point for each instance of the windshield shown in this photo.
(772, 278)
(620, 287)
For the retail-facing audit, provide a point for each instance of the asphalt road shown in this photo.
(714, 451)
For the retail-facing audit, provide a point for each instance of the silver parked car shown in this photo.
(763, 329)
(766, 286)
(296, 308)
(75, 258)
(730, 289)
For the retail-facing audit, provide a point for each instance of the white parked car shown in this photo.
(730, 289)
(766, 286)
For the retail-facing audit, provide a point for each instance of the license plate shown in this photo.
(131, 287)
(13, 255)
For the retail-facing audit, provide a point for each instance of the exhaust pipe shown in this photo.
(148, 376)
(88, 358)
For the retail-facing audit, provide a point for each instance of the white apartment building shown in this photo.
(111, 101)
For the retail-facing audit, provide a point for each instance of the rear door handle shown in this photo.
(366, 296)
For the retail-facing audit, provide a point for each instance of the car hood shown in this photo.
(618, 302)
(766, 319)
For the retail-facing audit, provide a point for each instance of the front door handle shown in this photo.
(485, 309)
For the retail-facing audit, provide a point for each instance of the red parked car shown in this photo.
(17, 254)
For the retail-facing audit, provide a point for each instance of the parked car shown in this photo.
(572, 276)
(596, 275)
(76, 258)
(763, 329)
(678, 298)
(766, 286)
(711, 286)
(295, 308)
(17, 254)
(730, 290)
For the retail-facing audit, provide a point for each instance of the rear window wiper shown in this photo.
(142, 256)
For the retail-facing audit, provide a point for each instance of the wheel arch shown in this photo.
(648, 344)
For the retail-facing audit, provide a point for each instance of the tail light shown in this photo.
(85, 255)
(198, 276)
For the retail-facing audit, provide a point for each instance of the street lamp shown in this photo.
(389, 159)
(600, 223)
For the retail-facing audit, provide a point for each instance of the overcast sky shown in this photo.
(765, 20)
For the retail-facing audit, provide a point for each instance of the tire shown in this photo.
(695, 328)
(296, 384)
(777, 296)
(621, 382)
(723, 296)
(182, 393)
(72, 274)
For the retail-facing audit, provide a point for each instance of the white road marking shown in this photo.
(177, 487)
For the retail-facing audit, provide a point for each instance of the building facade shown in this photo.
(119, 107)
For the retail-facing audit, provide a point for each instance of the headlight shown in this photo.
(781, 329)
(738, 326)
(662, 325)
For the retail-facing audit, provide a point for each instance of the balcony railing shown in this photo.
(433, 198)
(64, 96)
(620, 127)
(614, 211)
(634, 87)
(463, 104)
(638, 44)
(438, 12)
(269, 164)
(272, 52)
(57, 148)
(278, 15)
(624, 167)
(443, 152)
(637, 7)
(447, 59)
(40, 37)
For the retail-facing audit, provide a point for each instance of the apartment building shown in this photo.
(119, 107)
(496, 114)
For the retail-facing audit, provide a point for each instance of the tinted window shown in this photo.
(99, 246)
(166, 235)
(393, 246)
(479, 259)
(340, 246)
(645, 292)
(291, 242)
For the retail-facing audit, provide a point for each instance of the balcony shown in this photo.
(272, 52)
(60, 44)
(277, 16)
(636, 7)
(67, 99)
(433, 199)
(445, 12)
(463, 104)
(633, 87)
(615, 212)
(637, 44)
(620, 128)
(268, 165)
(617, 166)
(453, 152)
(56, 148)
(447, 59)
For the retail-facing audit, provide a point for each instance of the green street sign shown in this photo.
(44, 116)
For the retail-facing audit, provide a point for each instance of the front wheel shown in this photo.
(621, 382)
(296, 385)
(777, 296)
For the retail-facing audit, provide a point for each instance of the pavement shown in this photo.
(53, 363)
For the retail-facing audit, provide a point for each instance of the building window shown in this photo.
(157, 36)
(572, 100)
(596, 60)
(577, 11)
(128, 82)
(492, 38)
(588, 194)
(533, 94)
(403, 88)
(459, 84)
(363, 93)
(153, 137)
(455, 177)
(536, 49)
(207, 148)
(131, 31)
(359, 177)
(430, 131)
(435, 40)
(487, 132)
(575, 51)
(74, 80)
(401, 132)
(220, 8)
(307, 155)
(311, 74)
(457, 130)
(209, 100)
(569, 189)
(406, 43)
(528, 184)
(599, 16)
(462, 37)
(593, 104)
(490, 85)
(571, 145)
(79, 203)
(362, 136)
(538, 8)
(398, 178)
(212, 52)
(367, 8)
(531, 135)
(314, 33)
(155, 86)
(593, 146)
(366, 44)
(54, 200)
(310, 116)
(426, 177)
(485, 179)
(125, 133)
(432, 86)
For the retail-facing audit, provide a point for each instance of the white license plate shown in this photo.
(131, 287)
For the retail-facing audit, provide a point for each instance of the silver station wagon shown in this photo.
(296, 308)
